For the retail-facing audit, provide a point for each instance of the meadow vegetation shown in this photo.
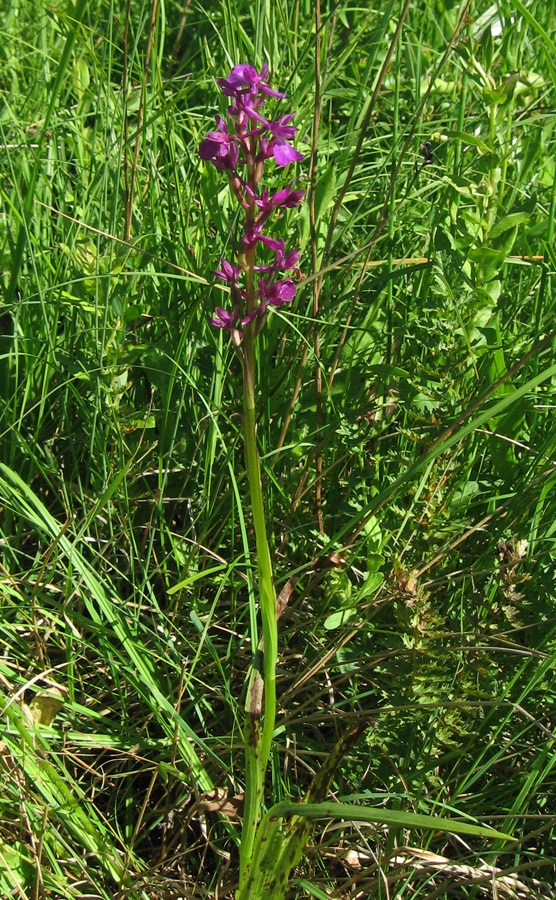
(405, 424)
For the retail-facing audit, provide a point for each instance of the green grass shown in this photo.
(422, 468)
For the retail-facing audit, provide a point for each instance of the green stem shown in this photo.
(267, 593)
(257, 744)
(254, 777)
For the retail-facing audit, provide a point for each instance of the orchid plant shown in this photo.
(241, 146)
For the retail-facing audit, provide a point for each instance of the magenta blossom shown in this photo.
(243, 145)
(224, 319)
(286, 197)
(277, 294)
(282, 260)
(229, 322)
(282, 133)
(227, 272)
(220, 147)
(284, 153)
(252, 236)
(246, 76)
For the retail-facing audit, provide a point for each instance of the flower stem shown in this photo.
(257, 744)
(267, 593)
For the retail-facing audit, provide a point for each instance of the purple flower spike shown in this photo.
(241, 147)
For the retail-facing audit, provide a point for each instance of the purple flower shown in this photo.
(276, 294)
(282, 260)
(286, 198)
(246, 76)
(284, 153)
(265, 151)
(228, 321)
(218, 144)
(282, 132)
(227, 272)
(279, 129)
(224, 319)
(252, 236)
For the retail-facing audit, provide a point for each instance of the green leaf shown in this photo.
(16, 869)
(324, 192)
(510, 221)
(372, 583)
(394, 817)
(339, 618)
(472, 139)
